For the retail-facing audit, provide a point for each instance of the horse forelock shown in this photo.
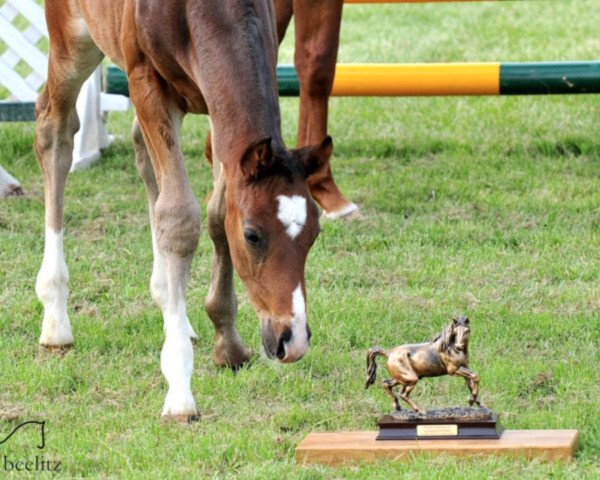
(285, 167)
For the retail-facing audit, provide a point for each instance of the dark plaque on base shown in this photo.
(446, 423)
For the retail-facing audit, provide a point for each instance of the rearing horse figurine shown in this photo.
(216, 57)
(446, 354)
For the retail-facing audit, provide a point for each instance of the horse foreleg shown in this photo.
(388, 385)
(221, 302)
(176, 224)
(317, 25)
(158, 280)
(71, 62)
(472, 380)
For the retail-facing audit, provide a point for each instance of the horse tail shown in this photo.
(372, 365)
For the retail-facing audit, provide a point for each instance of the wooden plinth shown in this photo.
(333, 448)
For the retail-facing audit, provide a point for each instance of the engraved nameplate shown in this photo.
(437, 430)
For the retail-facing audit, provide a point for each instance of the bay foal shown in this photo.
(216, 57)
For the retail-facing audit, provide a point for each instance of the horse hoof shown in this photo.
(181, 419)
(12, 190)
(231, 356)
(348, 212)
(60, 350)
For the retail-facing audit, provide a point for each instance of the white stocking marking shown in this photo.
(292, 213)
(177, 363)
(52, 290)
(158, 280)
(158, 284)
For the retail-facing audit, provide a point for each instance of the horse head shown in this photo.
(456, 335)
(460, 333)
(271, 224)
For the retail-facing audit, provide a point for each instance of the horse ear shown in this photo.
(257, 158)
(315, 157)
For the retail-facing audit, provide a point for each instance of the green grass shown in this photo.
(487, 206)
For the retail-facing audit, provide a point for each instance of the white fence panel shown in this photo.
(22, 48)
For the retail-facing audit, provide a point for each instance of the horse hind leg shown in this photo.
(388, 386)
(158, 279)
(71, 62)
(221, 302)
(404, 396)
(317, 27)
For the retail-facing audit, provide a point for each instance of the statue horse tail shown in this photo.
(372, 365)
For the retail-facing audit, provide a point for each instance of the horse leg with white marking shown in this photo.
(57, 123)
(176, 225)
(158, 280)
(221, 302)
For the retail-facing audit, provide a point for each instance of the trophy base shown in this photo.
(336, 448)
(443, 424)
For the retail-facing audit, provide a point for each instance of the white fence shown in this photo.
(23, 67)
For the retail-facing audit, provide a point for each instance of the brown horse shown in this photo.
(216, 57)
(317, 29)
(446, 354)
(317, 26)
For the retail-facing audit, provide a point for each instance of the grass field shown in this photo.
(487, 206)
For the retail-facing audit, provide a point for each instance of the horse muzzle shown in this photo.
(283, 343)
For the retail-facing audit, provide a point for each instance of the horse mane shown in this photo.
(444, 337)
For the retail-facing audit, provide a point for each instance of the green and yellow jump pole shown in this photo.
(444, 79)
(436, 79)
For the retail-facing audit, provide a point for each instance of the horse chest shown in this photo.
(453, 360)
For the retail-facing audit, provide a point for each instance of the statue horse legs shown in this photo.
(472, 380)
(406, 388)
(388, 386)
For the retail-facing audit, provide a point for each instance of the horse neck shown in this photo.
(239, 82)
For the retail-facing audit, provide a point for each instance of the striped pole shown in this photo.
(444, 79)
(437, 79)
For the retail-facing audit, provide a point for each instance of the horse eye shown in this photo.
(252, 238)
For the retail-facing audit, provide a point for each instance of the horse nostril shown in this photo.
(283, 339)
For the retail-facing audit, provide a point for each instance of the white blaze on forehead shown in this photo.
(298, 344)
(292, 213)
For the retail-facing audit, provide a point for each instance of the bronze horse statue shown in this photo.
(446, 354)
